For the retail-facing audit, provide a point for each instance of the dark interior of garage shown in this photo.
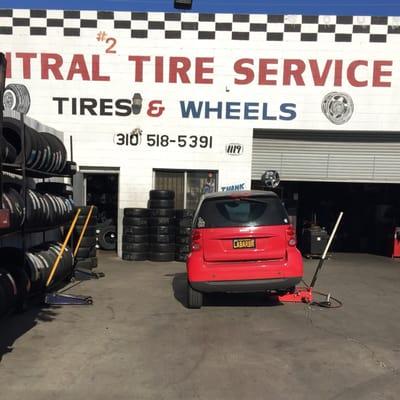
(371, 212)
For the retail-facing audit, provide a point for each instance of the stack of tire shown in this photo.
(22, 275)
(86, 257)
(15, 284)
(161, 225)
(43, 151)
(39, 263)
(43, 210)
(183, 222)
(135, 235)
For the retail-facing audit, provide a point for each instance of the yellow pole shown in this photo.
(83, 230)
(58, 259)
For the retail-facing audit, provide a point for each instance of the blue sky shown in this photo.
(307, 7)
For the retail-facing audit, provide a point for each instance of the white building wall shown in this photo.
(375, 108)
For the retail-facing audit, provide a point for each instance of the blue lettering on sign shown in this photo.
(233, 188)
(238, 110)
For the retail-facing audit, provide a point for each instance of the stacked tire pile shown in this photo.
(42, 209)
(22, 275)
(161, 225)
(43, 151)
(135, 235)
(183, 222)
(86, 257)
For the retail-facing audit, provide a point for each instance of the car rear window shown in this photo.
(243, 211)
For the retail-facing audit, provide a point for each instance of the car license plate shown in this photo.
(244, 243)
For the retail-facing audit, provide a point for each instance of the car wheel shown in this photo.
(194, 298)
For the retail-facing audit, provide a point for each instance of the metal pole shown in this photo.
(321, 261)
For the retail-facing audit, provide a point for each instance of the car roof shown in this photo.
(241, 193)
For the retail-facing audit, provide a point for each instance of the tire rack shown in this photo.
(23, 171)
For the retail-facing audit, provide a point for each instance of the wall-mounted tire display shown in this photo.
(135, 237)
(43, 151)
(40, 260)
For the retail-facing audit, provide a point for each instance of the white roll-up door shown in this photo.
(335, 156)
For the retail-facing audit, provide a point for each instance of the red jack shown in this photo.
(300, 295)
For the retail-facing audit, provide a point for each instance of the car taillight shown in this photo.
(196, 240)
(291, 236)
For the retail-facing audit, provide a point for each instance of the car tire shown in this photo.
(135, 247)
(194, 298)
(161, 203)
(156, 221)
(87, 241)
(161, 212)
(134, 256)
(86, 252)
(160, 256)
(162, 230)
(134, 221)
(108, 238)
(135, 238)
(162, 247)
(161, 194)
(135, 230)
(135, 212)
(162, 238)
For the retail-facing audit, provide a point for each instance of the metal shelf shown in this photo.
(32, 173)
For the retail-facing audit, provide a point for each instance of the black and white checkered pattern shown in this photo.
(142, 25)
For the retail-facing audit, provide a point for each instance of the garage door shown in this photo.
(335, 156)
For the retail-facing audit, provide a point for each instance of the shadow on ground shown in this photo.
(179, 286)
(14, 326)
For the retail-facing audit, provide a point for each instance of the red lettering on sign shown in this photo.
(138, 61)
(8, 70)
(96, 75)
(338, 73)
(351, 73)
(179, 66)
(26, 63)
(378, 73)
(264, 71)
(78, 67)
(202, 69)
(295, 69)
(51, 62)
(248, 73)
(159, 72)
(318, 76)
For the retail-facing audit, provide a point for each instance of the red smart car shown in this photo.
(242, 242)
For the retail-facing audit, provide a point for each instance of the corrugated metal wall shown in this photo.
(336, 156)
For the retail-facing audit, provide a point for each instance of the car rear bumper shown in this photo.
(248, 286)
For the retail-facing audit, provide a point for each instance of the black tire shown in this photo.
(135, 212)
(153, 256)
(135, 247)
(182, 257)
(134, 221)
(108, 238)
(183, 213)
(8, 152)
(194, 298)
(90, 230)
(161, 203)
(162, 247)
(87, 241)
(162, 230)
(162, 194)
(86, 252)
(182, 239)
(70, 168)
(160, 221)
(161, 212)
(88, 263)
(82, 219)
(11, 133)
(135, 238)
(184, 230)
(182, 248)
(134, 230)
(184, 222)
(57, 188)
(162, 238)
(134, 256)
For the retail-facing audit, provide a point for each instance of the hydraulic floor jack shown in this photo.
(305, 294)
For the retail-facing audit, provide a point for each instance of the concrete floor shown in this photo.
(138, 341)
